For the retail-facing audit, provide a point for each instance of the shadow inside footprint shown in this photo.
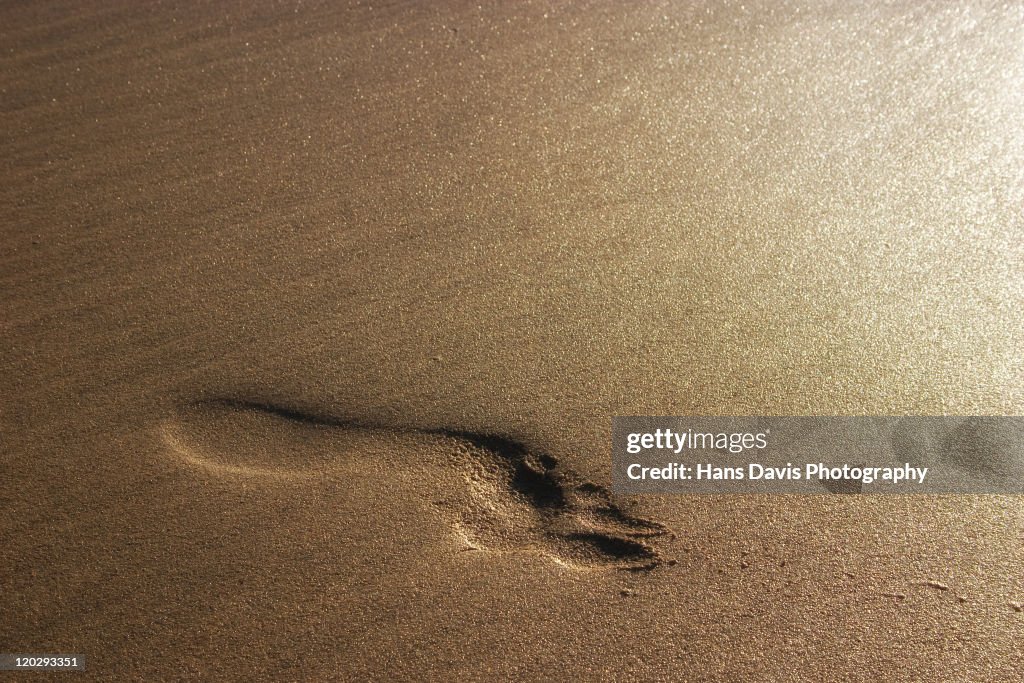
(513, 499)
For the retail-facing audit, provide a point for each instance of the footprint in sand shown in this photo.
(506, 498)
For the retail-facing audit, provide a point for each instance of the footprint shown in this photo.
(511, 499)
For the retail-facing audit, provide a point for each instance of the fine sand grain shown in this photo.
(316, 314)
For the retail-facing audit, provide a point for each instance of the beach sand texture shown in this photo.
(315, 317)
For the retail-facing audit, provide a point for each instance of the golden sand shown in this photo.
(274, 273)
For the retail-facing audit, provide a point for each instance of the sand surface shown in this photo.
(315, 318)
